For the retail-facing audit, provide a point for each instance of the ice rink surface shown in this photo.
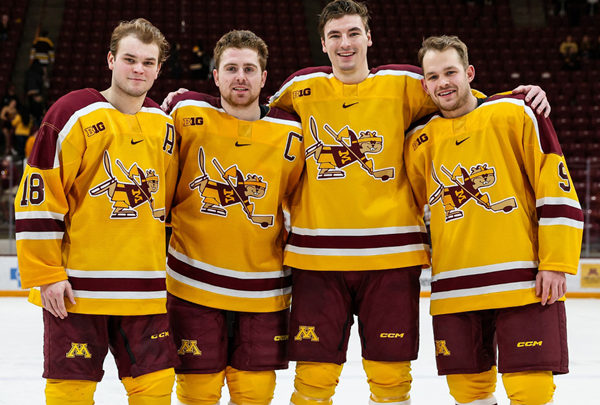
(21, 363)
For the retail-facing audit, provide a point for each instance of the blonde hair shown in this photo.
(143, 30)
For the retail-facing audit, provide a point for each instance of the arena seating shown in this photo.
(15, 9)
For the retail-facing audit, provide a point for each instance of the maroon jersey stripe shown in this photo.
(42, 154)
(231, 283)
(193, 95)
(357, 242)
(118, 284)
(308, 71)
(482, 280)
(559, 211)
(39, 225)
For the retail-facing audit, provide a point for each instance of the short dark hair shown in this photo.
(340, 8)
(241, 39)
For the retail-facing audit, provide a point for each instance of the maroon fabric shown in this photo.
(39, 225)
(486, 279)
(559, 211)
(140, 344)
(385, 301)
(357, 242)
(471, 339)
(258, 341)
(118, 284)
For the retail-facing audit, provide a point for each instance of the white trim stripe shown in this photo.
(471, 271)
(221, 271)
(195, 103)
(119, 274)
(298, 79)
(40, 215)
(73, 120)
(390, 230)
(561, 221)
(283, 122)
(155, 110)
(355, 252)
(557, 201)
(39, 235)
(227, 291)
(394, 72)
(120, 295)
(498, 288)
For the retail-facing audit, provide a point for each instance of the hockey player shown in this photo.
(228, 291)
(499, 267)
(356, 245)
(97, 265)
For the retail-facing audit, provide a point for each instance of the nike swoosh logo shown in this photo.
(348, 105)
(459, 142)
(136, 142)
(242, 144)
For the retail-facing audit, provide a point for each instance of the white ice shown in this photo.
(21, 363)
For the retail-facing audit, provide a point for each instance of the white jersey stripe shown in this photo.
(39, 235)
(471, 271)
(557, 201)
(119, 274)
(390, 230)
(39, 215)
(561, 221)
(120, 295)
(355, 252)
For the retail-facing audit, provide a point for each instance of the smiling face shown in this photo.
(345, 40)
(239, 78)
(134, 67)
(448, 83)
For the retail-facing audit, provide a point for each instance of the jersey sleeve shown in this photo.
(559, 213)
(41, 203)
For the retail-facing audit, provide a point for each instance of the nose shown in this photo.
(138, 67)
(345, 41)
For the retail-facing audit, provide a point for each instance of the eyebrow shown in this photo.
(135, 56)
(353, 29)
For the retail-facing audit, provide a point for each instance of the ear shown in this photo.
(263, 79)
(470, 73)
(323, 45)
(110, 58)
(216, 76)
(370, 41)
(424, 85)
(159, 66)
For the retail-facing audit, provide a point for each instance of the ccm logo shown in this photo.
(391, 335)
(531, 343)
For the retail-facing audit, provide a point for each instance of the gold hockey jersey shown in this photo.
(92, 203)
(354, 210)
(502, 204)
(226, 250)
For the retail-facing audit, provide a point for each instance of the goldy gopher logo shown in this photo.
(126, 197)
(237, 189)
(467, 186)
(332, 159)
